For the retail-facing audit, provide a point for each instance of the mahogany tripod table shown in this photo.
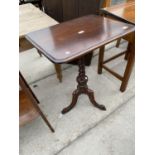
(72, 40)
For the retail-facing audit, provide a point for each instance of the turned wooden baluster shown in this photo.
(82, 88)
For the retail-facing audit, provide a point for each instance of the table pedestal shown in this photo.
(82, 88)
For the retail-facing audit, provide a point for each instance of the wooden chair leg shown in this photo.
(34, 99)
(128, 70)
(101, 59)
(127, 52)
(44, 117)
(118, 42)
(39, 53)
(58, 71)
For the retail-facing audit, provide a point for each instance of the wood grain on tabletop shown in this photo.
(69, 40)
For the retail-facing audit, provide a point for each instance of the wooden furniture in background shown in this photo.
(64, 10)
(27, 112)
(32, 19)
(72, 40)
(28, 105)
(123, 12)
(106, 3)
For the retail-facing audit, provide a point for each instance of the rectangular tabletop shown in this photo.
(72, 39)
(124, 10)
(31, 19)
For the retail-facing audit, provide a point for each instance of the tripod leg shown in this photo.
(73, 103)
(90, 94)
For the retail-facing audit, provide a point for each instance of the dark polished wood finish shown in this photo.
(29, 108)
(82, 88)
(69, 40)
(64, 10)
(73, 39)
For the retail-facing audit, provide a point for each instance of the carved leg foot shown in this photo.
(90, 94)
(73, 103)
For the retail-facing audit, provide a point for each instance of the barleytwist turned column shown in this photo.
(82, 88)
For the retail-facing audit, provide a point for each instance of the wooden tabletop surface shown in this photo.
(31, 19)
(69, 40)
(123, 10)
